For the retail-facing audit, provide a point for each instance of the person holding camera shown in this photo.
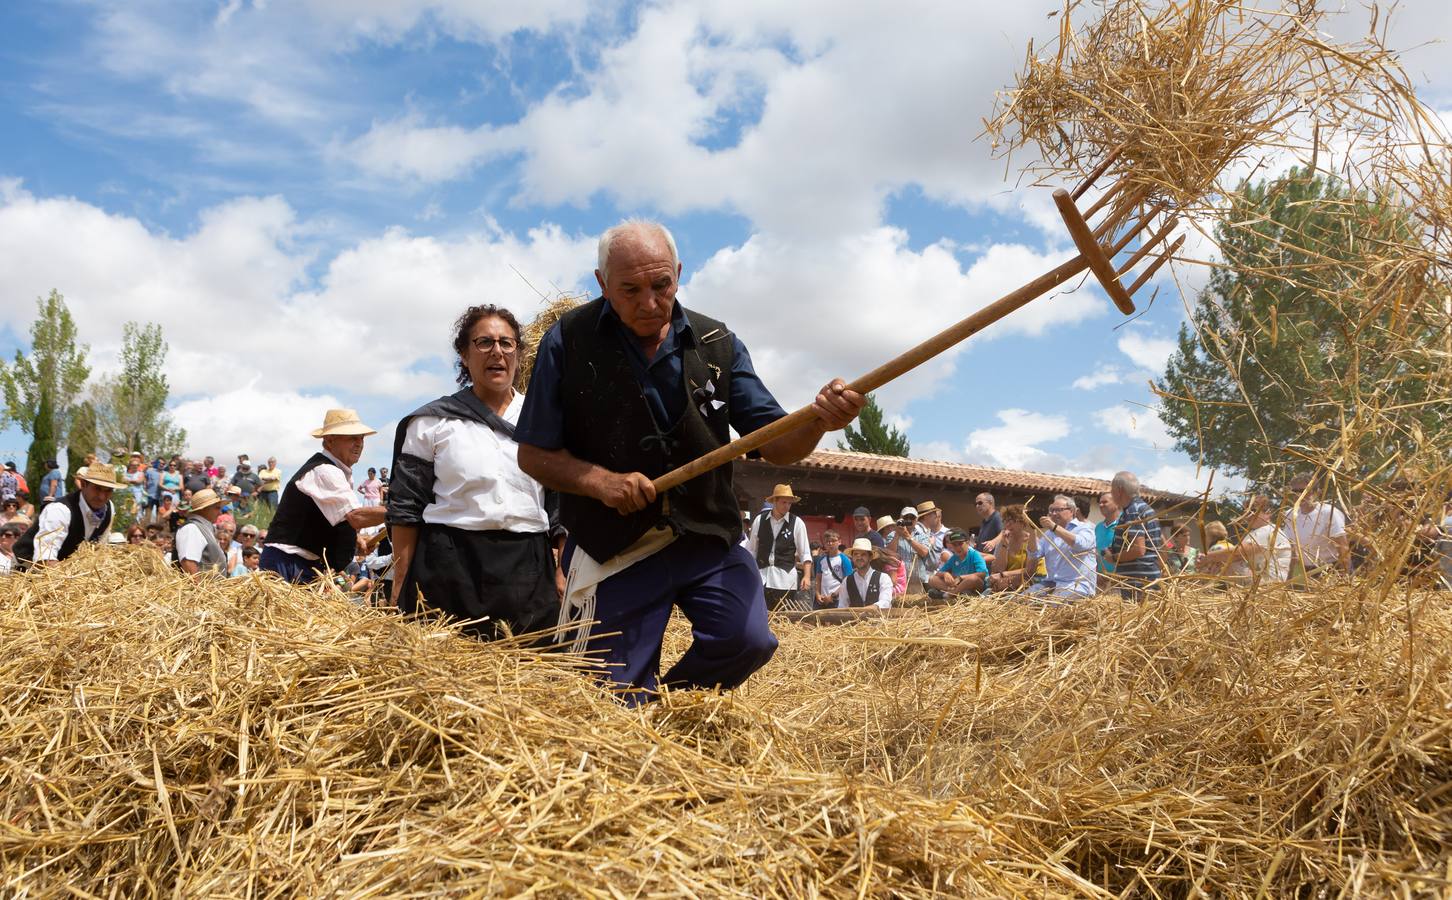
(1067, 547)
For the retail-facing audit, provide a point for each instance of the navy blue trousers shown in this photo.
(289, 565)
(718, 591)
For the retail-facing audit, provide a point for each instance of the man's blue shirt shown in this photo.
(661, 381)
(967, 564)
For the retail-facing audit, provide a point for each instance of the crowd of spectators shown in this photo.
(1059, 557)
(1062, 556)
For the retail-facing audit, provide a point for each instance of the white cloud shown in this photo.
(813, 310)
(1139, 423)
(803, 117)
(1013, 443)
(1104, 375)
(1146, 351)
(236, 303)
(258, 421)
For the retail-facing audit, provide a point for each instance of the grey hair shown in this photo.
(991, 499)
(615, 232)
(1127, 482)
(1066, 500)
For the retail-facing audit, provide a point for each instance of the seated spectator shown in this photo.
(9, 510)
(1217, 538)
(866, 586)
(226, 528)
(1104, 531)
(250, 556)
(862, 523)
(887, 563)
(136, 534)
(1317, 532)
(9, 534)
(1137, 545)
(1067, 549)
(832, 568)
(1010, 569)
(1189, 555)
(964, 571)
(1264, 554)
(1172, 558)
(912, 551)
(990, 528)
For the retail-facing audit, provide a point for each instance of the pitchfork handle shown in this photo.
(881, 375)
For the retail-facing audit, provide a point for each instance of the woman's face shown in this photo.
(224, 534)
(492, 368)
(135, 536)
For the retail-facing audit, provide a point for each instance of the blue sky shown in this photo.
(304, 195)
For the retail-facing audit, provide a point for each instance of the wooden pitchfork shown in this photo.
(1098, 247)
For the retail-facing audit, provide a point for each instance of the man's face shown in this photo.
(1107, 507)
(642, 282)
(1305, 494)
(780, 506)
(862, 523)
(908, 522)
(1062, 512)
(861, 559)
(95, 495)
(247, 538)
(932, 519)
(984, 505)
(7, 542)
(348, 448)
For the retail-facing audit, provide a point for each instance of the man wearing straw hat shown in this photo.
(318, 517)
(62, 526)
(624, 389)
(782, 549)
(197, 549)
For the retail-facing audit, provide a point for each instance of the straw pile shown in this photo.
(247, 738)
(535, 331)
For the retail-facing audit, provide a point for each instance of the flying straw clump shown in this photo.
(1173, 92)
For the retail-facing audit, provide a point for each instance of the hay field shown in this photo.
(249, 739)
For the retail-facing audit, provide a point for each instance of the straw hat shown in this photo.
(204, 498)
(926, 507)
(342, 421)
(99, 475)
(862, 544)
(783, 490)
(884, 521)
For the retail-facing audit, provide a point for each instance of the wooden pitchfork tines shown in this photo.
(1099, 246)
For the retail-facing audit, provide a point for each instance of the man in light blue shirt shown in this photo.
(1067, 548)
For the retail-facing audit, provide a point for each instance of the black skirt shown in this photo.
(494, 580)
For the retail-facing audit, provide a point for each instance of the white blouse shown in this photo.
(478, 485)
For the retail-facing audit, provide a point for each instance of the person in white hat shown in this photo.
(866, 586)
(82, 515)
(782, 549)
(318, 517)
(197, 549)
(912, 551)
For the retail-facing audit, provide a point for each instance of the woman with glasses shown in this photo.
(470, 532)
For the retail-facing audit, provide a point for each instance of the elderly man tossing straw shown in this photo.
(319, 515)
(625, 388)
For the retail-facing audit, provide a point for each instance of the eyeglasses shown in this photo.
(486, 344)
(1061, 509)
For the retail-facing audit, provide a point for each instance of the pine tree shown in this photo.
(872, 435)
(42, 445)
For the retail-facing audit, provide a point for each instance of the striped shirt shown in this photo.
(1138, 520)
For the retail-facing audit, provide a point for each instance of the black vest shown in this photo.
(608, 422)
(25, 546)
(874, 584)
(300, 523)
(782, 550)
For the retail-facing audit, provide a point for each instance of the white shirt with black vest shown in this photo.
(331, 488)
(773, 576)
(862, 580)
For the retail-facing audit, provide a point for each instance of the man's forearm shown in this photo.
(794, 445)
(560, 470)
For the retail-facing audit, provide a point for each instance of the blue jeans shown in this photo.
(719, 591)
(289, 566)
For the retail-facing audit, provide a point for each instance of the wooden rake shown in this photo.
(1098, 246)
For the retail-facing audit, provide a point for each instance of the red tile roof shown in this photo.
(962, 473)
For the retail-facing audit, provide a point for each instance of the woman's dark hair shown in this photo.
(465, 324)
